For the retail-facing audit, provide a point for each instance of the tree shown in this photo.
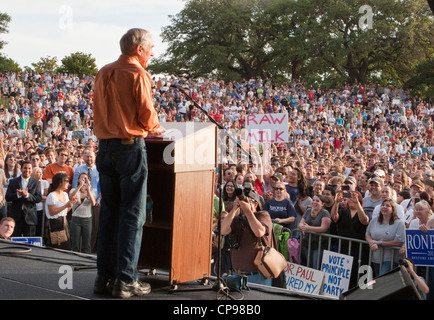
(4, 21)
(47, 64)
(326, 42)
(221, 38)
(7, 64)
(79, 63)
(423, 82)
(352, 40)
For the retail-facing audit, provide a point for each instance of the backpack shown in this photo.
(293, 247)
(281, 237)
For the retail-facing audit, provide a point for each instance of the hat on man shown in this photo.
(277, 176)
(418, 184)
(380, 173)
(351, 180)
(376, 180)
(428, 182)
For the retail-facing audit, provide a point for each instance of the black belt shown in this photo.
(137, 140)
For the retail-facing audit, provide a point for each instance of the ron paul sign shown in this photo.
(267, 128)
(419, 246)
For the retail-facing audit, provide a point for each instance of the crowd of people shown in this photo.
(358, 163)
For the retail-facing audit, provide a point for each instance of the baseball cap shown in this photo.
(428, 182)
(277, 176)
(351, 179)
(380, 173)
(376, 180)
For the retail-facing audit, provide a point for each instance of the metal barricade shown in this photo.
(336, 243)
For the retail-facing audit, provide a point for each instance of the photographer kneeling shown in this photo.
(246, 224)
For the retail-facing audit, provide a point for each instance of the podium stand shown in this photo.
(181, 183)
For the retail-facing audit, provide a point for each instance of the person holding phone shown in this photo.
(81, 219)
(351, 222)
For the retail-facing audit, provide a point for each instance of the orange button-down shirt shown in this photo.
(123, 106)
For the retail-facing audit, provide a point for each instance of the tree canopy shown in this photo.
(326, 42)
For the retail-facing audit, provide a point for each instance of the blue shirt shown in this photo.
(280, 209)
(94, 178)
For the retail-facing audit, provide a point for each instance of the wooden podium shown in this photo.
(181, 183)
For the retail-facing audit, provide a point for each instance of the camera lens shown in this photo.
(403, 263)
(239, 193)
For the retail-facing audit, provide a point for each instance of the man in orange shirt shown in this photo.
(123, 116)
(59, 166)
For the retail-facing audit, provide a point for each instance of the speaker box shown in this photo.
(394, 285)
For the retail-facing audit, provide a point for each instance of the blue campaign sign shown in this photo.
(420, 246)
(35, 241)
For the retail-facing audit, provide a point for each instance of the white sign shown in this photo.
(267, 128)
(337, 273)
(301, 278)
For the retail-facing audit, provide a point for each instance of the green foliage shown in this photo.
(327, 42)
(47, 64)
(79, 63)
(423, 82)
(4, 21)
(7, 64)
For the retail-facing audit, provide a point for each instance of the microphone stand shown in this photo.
(219, 285)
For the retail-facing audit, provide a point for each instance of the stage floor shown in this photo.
(35, 273)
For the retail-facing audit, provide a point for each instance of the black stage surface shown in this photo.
(35, 273)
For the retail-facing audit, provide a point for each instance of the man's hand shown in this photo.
(157, 132)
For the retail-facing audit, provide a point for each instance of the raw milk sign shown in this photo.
(337, 272)
(267, 128)
(420, 246)
(301, 278)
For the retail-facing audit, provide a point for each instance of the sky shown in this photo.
(58, 28)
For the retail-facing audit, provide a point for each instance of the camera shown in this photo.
(247, 192)
(347, 194)
(345, 188)
(403, 262)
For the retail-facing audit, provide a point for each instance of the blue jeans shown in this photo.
(259, 279)
(123, 177)
(386, 266)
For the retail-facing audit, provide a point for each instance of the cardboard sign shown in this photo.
(419, 246)
(266, 128)
(337, 272)
(301, 278)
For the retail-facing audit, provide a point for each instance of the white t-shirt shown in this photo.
(52, 199)
(82, 210)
